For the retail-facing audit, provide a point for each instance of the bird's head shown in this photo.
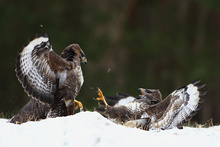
(72, 51)
(153, 94)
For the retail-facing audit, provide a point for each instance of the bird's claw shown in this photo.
(79, 105)
(101, 97)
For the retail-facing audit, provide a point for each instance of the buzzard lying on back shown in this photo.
(174, 111)
(114, 106)
(52, 81)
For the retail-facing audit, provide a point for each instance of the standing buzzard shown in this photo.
(174, 111)
(52, 81)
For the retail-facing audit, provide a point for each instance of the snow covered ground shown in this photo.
(88, 129)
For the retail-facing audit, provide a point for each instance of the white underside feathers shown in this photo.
(124, 101)
(33, 43)
(184, 103)
(189, 98)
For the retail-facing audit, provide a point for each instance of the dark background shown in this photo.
(128, 44)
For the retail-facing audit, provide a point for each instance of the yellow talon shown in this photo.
(79, 104)
(101, 97)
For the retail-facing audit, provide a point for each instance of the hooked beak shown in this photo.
(83, 59)
(142, 91)
(145, 91)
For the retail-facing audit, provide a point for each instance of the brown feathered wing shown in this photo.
(175, 110)
(38, 68)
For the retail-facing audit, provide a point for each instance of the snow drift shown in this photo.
(87, 129)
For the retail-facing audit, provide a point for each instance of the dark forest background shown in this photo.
(128, 43)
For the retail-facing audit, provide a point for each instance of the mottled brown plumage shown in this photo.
(154, 95)
(174, 111)
(52, 80)
(121, 107)
(32, 111)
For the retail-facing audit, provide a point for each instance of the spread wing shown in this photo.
(38, 67)
(179, 107)
(174, 111)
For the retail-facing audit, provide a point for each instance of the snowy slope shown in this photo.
(87, 129)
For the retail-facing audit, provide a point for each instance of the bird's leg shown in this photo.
(79, 105)
(101, 97)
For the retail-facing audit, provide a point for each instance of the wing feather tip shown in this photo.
(193, 113)
(201, 100)
(202, 92)
(195, 82)
(200, 86)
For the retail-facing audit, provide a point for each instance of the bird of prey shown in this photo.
(51, 80)
(174, 111)
(117, 108)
